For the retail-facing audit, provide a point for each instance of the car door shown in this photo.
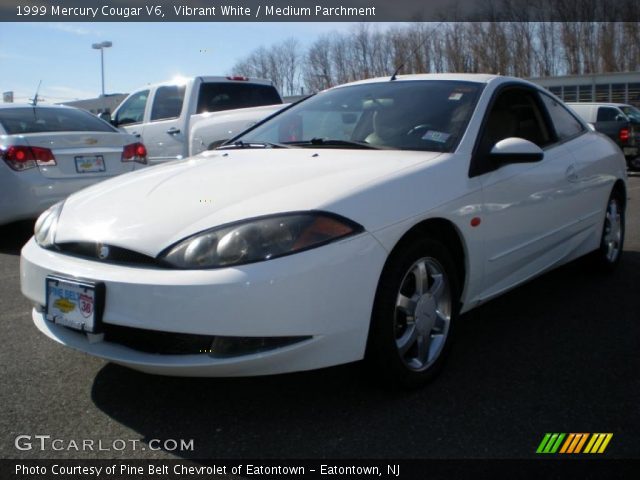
(165, 134)
(130, 115)
(528, 212)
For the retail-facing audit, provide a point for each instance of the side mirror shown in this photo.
(516, 150)
(105, 116)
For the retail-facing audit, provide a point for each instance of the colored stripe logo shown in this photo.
(574, 443)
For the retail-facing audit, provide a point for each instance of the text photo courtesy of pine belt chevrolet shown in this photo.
(356, 224)
(49, 152)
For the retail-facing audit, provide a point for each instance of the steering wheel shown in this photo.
(423, 127)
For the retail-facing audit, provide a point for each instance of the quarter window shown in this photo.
(132, 110)
(565, 123)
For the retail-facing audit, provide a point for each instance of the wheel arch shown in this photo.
(620, 187)
(448, 233)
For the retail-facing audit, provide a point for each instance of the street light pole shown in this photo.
(101, 46)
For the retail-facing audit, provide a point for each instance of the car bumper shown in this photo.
(324, 296)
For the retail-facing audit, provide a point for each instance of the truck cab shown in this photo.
(163, 114)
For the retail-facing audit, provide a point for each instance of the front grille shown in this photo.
(168, 343)
(96, 251)
(151, 341)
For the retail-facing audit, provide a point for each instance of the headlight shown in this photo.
(258, 239)
(45, 229)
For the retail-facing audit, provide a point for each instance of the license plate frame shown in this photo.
(90, 164)
(75, 304)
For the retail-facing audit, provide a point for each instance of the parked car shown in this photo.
(164, 115)
(49, 151)
(619, 121)
(358, 223)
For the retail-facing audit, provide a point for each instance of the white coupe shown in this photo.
(358, 223)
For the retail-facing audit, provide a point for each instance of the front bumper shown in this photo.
(326, 294)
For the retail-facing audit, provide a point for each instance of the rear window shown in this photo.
(43, 119)
(215, 97)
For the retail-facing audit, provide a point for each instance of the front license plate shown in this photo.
(74, 304)
(90, 164)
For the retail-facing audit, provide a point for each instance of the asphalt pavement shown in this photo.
(559, 354)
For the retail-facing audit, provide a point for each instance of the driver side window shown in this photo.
(514, 113)
(132, 110)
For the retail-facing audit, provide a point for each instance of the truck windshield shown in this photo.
(427, 115)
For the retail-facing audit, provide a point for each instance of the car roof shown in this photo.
(464, 77)
(40, 105)
(207, 78)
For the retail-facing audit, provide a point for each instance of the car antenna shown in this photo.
(34, 100)
(413, 52)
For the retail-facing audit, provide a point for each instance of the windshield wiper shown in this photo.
(241, 144)
(330, 142)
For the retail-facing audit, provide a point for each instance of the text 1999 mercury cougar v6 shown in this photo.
(358, 223)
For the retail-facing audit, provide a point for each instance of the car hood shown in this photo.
(148, 210)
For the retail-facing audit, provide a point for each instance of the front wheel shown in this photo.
(414, 313)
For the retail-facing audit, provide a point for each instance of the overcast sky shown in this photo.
(60, 54)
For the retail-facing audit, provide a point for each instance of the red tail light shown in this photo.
(135, 152)
(238, 78)
(20, 157)
(624, 135)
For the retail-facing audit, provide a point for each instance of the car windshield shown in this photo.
(427, 115)
(21, 120)
(633, 113)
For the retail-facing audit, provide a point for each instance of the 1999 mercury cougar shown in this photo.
(358, 223)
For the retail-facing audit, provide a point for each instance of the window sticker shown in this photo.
(455, 96)
(434, 136)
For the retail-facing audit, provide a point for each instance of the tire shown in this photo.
(607, 257)
(633, 164)
(414, 312)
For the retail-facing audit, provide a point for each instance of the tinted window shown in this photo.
(607, 114)
(132, 110)
(214, 97)
(43, 119)
(564, 122)
(408, 115)
(168, 102)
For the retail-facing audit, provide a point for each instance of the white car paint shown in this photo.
(514, 223)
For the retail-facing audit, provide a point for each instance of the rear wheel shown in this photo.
(415, 309)
(608, 255)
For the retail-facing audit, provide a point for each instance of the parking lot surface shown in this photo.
(559, 354)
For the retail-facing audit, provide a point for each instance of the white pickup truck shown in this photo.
(185, 117)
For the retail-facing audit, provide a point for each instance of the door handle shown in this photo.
(572, 174)
(173, 131)
(135, 134)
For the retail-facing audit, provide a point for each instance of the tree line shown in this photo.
(518, 48)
